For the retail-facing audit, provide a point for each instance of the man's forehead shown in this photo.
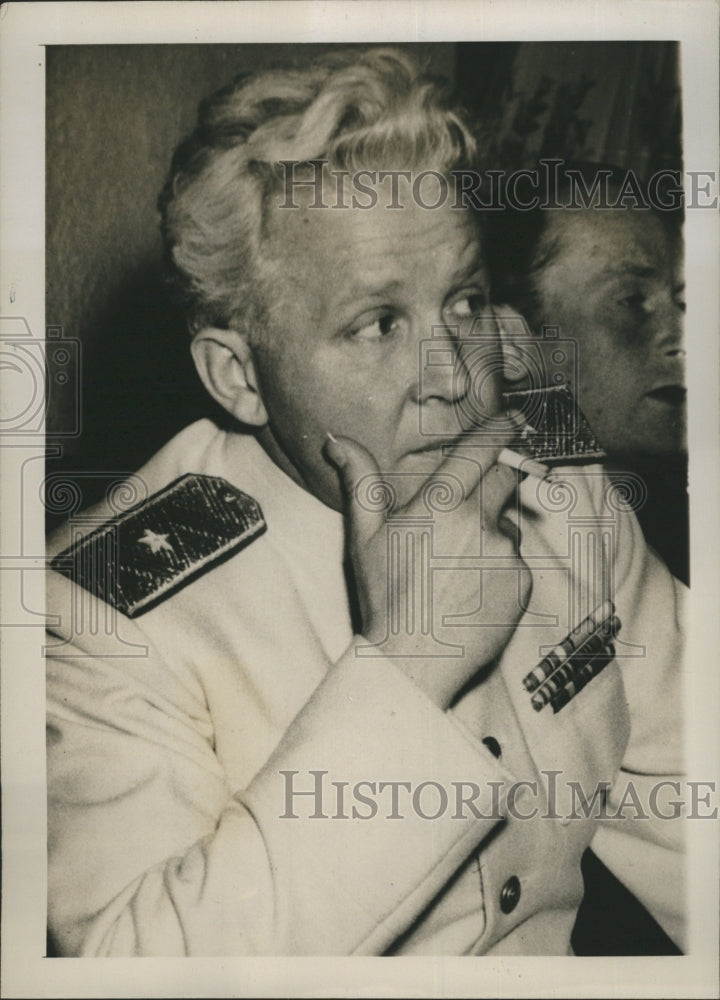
(361, 231)
(611, 239)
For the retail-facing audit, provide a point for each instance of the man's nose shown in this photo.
(443, 371)
(668, 334)
(461, 366)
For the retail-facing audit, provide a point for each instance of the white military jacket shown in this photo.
(180, 742)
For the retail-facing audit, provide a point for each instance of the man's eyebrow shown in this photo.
(471, 260)
(367, 290)
(635, 270)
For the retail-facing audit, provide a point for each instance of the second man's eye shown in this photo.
(634, 301)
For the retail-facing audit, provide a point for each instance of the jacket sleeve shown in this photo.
(151, 852)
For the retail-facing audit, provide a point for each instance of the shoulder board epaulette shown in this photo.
(141, 557)
(556, 430)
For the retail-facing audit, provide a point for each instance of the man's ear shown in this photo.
(225, 365)
(515, 335)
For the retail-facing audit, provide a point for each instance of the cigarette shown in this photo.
(529, 465)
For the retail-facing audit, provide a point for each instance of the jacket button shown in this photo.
(510, 894)
(493, 746)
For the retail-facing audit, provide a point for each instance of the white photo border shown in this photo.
(25, 29)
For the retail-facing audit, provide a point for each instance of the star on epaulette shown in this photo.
(141, 557)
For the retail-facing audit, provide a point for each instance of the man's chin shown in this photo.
(646, 453)
(657, 435)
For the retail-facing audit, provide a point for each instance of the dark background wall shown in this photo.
(113, 117)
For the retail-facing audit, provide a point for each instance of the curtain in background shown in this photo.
(614, 102)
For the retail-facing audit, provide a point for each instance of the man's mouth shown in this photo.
(437, 443)
(672, 395)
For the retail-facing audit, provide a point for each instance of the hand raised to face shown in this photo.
(441, 625)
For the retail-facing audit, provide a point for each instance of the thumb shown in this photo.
(516, 337)
(368, 497)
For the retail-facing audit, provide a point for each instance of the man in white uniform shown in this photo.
(288, 700)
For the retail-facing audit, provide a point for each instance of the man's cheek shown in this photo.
(601, 351)
(625, 329)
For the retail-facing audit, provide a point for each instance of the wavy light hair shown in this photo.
(354, 109)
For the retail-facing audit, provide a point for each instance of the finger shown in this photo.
(367, 495)
(510, 322)
(484, 410)
(515, 336)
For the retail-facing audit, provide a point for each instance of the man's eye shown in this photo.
(381, 327)
(635, 301)
(469, 305)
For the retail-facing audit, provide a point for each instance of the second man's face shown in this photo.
(615, 287)
(368, 338)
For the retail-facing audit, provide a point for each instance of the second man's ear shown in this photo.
(224, 362)
(516, 337)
